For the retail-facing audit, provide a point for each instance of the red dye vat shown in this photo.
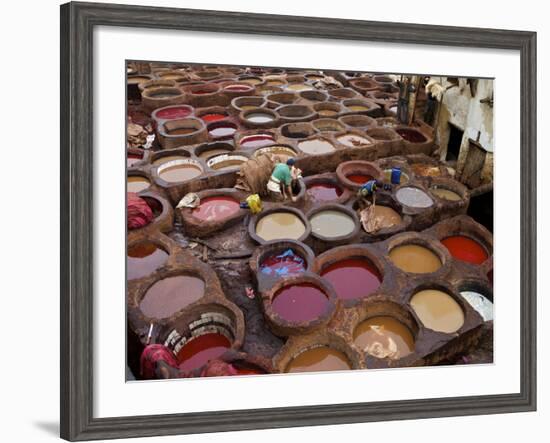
(324, 191)
(283, 265)
(244, 368)
(200, 350)
(359, 178)
(300, 303)
(144, 258)
(216, 208)
(174, 112)
(256, 141)
(465, 249)
(411, 135)
(353, 278)
(132, 159)
(202, 92)
(213, 117)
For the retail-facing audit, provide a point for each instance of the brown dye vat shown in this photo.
(331, 223)
(386, 217)
(170, 295)
(426, 170)
(181, 131)
(136, 80)
(321, 358)
(299, 87)
(180, 172)
(284, 152)
(279, 225)
(353, 141)
(137, 183)
(143, 259)
(327, 109)
(415, 259)
(328, 125)
(384, 337)
(226, 162)
(316, 146)
(445, 194)
(212, 152)
(358, 121)
(297, 130)
(437, 310)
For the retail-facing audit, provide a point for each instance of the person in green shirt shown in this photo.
(280, 182)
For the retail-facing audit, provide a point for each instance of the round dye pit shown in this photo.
(201, 349)
(163, 92)
(174, 172)
(331, 224)
(413, 197)
(226, 162)
(259, 117)
(321, 358)
(284, 152)
(216, 208)
(411, 135)
(143, 259)
(360, 179)
(256, 141)
(384, 337)
(212, 152)
(446, 194)
(170, 295)
(358, 108)
(213, 117)
(280, 225)
(480, 303)
(283, 264)
(220, 130)
(238, 88)
(324, 192)
(161, 160)
(132, 159)
(415, 259)
(173, 112)
(353, 278)
(136, 80)
(385, 217)
(465, 249)
(437, 310)
(426, 170)
(299, 87)
(316, 146)
(137, 183)
(353, 141)
(302, 302)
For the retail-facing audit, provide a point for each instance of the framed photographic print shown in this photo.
(273, 221)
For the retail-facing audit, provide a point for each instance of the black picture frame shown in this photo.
(77, 23)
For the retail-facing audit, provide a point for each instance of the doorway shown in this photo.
(455, 140)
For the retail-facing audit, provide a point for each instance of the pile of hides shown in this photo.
(371, 224)
(136, 135)
(254, 174)
(139, 212)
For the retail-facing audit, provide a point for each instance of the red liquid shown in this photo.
(213, 117)
(353, 278)
(360, 179)
(465, 249)
(132, 159)
(282, 265)
(216, 208)
(300, 303)
(411, 135)
(490, 276)
(256, 141)
(143, 259)
(247, 369)
(174, 113)
(200, 350)
(202, 92)
(324, 192)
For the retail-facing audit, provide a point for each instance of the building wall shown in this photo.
(465, 111)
